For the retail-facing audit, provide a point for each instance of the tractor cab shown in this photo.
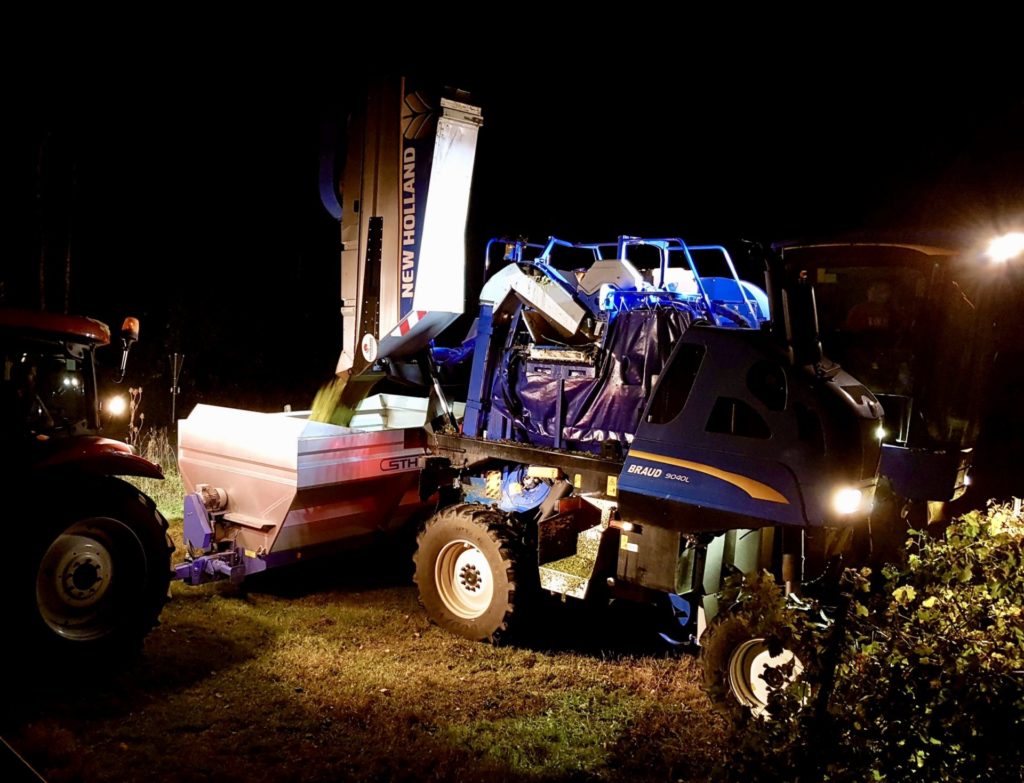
(49, 380)
(48, 384)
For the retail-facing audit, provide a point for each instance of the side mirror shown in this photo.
(129, 335)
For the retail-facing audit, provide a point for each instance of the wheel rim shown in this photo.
(464, 580)
(85, 573)
(754, 673)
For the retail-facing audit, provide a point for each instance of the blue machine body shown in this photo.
(661, 340)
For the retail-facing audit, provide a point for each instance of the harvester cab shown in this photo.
(906, 318)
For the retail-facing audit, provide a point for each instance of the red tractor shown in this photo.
(90, 552)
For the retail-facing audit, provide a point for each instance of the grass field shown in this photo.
(332, 672)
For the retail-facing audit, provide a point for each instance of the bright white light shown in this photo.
(967, 481)
(880, 433)
(846, 500)
(67, 381)
(116, 406)
(1002, 249)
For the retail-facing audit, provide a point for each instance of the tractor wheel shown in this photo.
(740, 671)
(466, 571)
(94, 574)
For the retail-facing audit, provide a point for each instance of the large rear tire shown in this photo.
(466, 571)
(93, 573)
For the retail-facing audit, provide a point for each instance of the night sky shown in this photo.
(190, 191)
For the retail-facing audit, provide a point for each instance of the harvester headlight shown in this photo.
(846, 500)
(116, 406)
(1002, 249)
(880, 432)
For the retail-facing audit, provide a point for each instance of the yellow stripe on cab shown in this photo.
(755, 489)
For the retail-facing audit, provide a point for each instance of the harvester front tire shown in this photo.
(740, 673)
(93, 574)
(466, 571)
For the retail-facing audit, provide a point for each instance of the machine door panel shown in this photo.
(759, 487)
(719, 432)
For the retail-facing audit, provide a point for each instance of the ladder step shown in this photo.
(571, 575)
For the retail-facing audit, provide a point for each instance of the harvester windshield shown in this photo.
(896, 317)
(867, 317)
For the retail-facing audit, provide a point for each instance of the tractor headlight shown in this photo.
(116, 406)
(846, 500)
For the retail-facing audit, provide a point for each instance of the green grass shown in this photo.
(332, 672)
(156, 446)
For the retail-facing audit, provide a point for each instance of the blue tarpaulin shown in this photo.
(607, 406)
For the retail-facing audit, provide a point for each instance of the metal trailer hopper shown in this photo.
(290, 487)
